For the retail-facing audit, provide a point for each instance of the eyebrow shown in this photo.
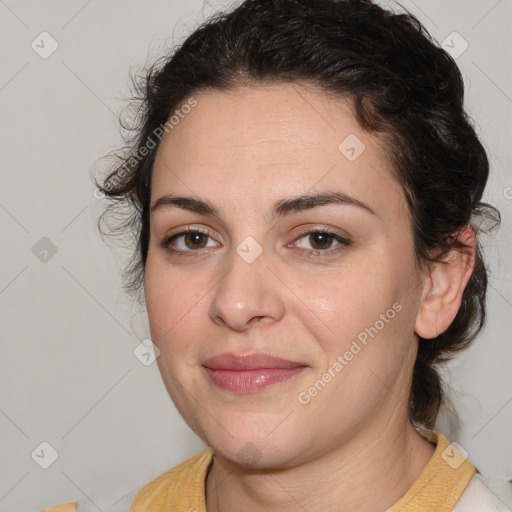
(280, 208)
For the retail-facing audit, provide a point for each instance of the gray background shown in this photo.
(69, 375)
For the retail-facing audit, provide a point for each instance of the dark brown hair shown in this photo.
(402, 86)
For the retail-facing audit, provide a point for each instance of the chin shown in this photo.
(251, 449)
(249, 455)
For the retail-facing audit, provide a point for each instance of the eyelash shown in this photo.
(318, 253)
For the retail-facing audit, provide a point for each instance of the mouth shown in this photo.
(250, 372)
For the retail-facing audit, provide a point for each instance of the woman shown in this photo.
(305, 191)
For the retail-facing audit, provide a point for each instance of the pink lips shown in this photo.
(251, 372)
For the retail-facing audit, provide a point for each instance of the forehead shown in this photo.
(270, 140)
(253, 119)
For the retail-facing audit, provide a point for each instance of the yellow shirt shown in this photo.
(182, 488)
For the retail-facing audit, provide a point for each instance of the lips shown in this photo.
(249, 373)
(248, 362)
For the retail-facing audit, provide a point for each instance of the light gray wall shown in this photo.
(69, 376)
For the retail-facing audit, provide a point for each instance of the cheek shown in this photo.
(364, 312)
(174, 309)
(174, 302)
(339, 306)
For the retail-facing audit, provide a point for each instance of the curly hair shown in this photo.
(402, 85)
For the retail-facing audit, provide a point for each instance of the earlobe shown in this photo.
(443, 288)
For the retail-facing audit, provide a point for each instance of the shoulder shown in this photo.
(480, 496)
(183, 482)
(63, 507)
(187, 470)
(109, 502)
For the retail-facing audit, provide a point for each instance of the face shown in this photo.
(328, 286)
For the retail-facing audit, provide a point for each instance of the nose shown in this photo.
(247, 294)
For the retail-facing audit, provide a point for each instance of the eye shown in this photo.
(191, 241)
(321, 242)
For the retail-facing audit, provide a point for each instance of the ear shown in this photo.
(443, 288)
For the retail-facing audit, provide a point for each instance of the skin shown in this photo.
(243, 150)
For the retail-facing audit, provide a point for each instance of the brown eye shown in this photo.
(321, 242)
(188, 241)
(195, 240)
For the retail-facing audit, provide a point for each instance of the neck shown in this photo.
(386, 461)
